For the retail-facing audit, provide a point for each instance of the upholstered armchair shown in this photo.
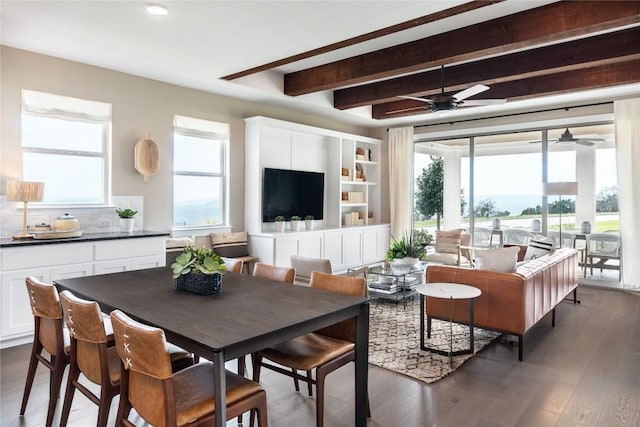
(451, 248)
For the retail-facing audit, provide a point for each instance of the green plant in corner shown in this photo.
(197, 260)
(126, 213)
(405, 247)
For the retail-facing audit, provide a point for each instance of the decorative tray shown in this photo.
(57, 234)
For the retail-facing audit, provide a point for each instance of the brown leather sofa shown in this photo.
(511, 303)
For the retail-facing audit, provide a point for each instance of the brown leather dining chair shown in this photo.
(163, 398)
(274, 272)
(51, 335)
(233, 265)
(323, 351)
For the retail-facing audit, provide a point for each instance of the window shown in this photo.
(199, 172)
(66, 145)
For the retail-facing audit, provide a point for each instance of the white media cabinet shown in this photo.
(350, 233)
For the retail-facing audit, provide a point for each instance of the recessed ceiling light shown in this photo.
(156, 9)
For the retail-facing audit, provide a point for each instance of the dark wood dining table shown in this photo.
(248, 315)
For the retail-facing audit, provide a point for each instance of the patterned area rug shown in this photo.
(394, 341)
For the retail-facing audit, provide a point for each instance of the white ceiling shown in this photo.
(200, 41)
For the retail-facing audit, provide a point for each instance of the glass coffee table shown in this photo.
(396, 282)
(448, 291)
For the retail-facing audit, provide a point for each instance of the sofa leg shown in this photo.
(575, 296)
(520, 346)
(553, 318)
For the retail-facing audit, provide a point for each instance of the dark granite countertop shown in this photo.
(88, 237)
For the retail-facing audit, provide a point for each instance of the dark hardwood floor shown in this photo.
(583, 372)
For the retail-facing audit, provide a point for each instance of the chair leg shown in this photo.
(241, 372)
(320, 375)
(256, 359)
(74, 373)
(296, 383)
(58, 372)
(107, 393)
(309, 384)
(31, 373)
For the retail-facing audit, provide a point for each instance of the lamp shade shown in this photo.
(25, 191)
(560, 188)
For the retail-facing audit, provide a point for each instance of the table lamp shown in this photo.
(25, 192)
(568, 188)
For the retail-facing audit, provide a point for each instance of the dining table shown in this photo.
(248, 315)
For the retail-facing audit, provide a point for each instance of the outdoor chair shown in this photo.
(603, 247)
(516, 236)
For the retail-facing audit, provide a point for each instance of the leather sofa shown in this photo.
(511, 303)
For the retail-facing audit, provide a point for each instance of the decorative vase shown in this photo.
(295, 225)
(585, 227)
(198, 283)
(496, 223)
(126, 225)
(279, 226)
(536, 226)
(308, 224)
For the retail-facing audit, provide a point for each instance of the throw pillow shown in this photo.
(230, 245)
(501, 260)
(448, 241)
(538, 247)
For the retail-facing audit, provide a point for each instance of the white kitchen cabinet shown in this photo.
(64, 260)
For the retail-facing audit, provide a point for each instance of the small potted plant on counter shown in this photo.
(280, 223)
(126, 219)
(198, 270)
(295, 223)
(308, 222)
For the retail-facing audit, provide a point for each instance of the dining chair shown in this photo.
(603, 247)
(51, 335)
(274, 272)
(90, 355)
(233, 265)
(163, 398)
(323, 351)
(305, 265)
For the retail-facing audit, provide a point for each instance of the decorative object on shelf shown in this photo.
(345, 174)
(360, 176)
(308, 222)
(496, 223)
(408, 246)
(585, 227)
(146, 157)
(25, 192)
(296, 222)
(126, 219)
(66, 222)
(360, 153)
(65, 226)
(198, 270)
(280, 223)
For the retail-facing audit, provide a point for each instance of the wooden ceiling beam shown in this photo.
(599, 76)
(587, 52)
(545, 24)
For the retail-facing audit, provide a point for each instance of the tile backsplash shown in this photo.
(92, 220)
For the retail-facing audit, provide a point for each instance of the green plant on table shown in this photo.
(405, 247)
(197, 260)
(126, 213)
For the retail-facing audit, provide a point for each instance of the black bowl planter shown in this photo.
(197, 283)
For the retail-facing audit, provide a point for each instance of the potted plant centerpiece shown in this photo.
(406, 250)
(296, 221)
(280, 223)
(198, 270)
(126, 219)
(308, 222)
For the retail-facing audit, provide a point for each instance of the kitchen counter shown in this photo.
(87, 237)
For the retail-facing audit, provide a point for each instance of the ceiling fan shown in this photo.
(568, 137)
(448, 102)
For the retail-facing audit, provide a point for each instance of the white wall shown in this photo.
(139, 105)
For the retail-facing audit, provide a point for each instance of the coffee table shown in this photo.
(448, 291)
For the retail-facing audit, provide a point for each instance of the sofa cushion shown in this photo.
(448, 241)
(539, 246)
(179, 242)
(502, 260)
(230, 245)
(446, 258)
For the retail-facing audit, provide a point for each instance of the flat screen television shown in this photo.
(292, 192)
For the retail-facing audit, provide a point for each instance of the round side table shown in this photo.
(448, 291)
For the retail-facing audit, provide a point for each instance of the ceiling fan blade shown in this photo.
(474, 102)
(404, 110)
(469, 92)
(585, 142)
(415, 98)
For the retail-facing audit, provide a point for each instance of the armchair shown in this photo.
(452, 248)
